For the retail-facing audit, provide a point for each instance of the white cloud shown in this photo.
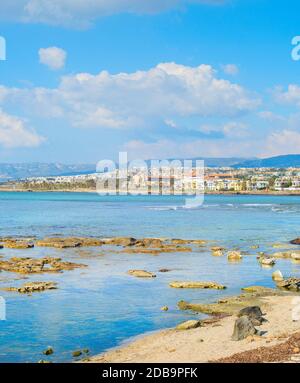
(230, 69)
(53, 57)
(83, 12)
(282, 142)
(14, 134)
(143, 99)
(290, 96)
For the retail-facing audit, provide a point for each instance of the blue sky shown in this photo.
(85, 80)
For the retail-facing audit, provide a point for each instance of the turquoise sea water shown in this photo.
(101, 306)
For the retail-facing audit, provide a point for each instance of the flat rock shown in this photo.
(267, 261)
(31, 287)
(196, 285)
(141, 274)
(18, 245)
(188, 325)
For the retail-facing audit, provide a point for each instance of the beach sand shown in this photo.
(211, 342)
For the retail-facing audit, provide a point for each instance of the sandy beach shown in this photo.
(212, 341)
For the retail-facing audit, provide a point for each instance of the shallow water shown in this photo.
(100, 306)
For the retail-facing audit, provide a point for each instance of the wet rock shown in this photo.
(121, 241)
(295, 255)
(295, 241)
(291, 284)
(31, 287)
(188, 241)
(150, 242)
(1, 246)
(279, 246)
(254, 247)
(141, 274)
(58, 243)
(18, 245)
(254, 313)
(282, 254)
(258, 290)
(234, 256)
(217, 253)
(48, 351)
(267, 261)
(188, 325)
(243, 328)
(163, 249)
(217, 248)
(165, 308)
(164, 270)
(37, 265)
(76, 353)
(44, 361)
(196, 285)
(277, 276)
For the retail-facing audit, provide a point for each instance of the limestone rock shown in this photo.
(141, 274)
(291, 284)
(20, 245)
(188, 325)
(277, 276)
(243, 328)
(234, 255)
(254, 313)
(295, 241)
(267, 261)
(196, 285)
(31, 287)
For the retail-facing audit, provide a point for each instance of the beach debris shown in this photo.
(37, 265)
(165, 308)
(254, 313)
(49, 351)
(291, 284)
(267, 261)
(277, 276)
(31, 287)
(234, 255)
(76, 353)
(141, 273)
(20, 245)
(243, 327)
(188, 325)
(295, 241)
(196, 285)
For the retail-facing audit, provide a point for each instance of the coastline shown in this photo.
(93, 191)
(212, 342)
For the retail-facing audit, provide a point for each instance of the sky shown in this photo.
(86, 79)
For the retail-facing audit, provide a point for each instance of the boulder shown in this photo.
(141, 274)
(76, 353)
(196, 285)
(267, 261)
(234, 255)
(254, 313)
(295, 241)
(243, 328)
(48, 351)
(291, 284)
(217, 253)
(277, 276)
(188, 325)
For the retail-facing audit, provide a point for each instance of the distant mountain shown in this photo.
(25, 170)
(214, 162)
(285, 161)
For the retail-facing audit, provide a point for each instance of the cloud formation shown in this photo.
(53, 57)
(14, 134)
(143, 99)
(82, 13)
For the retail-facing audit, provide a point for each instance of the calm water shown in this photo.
(100, 306)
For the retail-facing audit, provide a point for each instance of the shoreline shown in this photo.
(92, 191)
(211, 342)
